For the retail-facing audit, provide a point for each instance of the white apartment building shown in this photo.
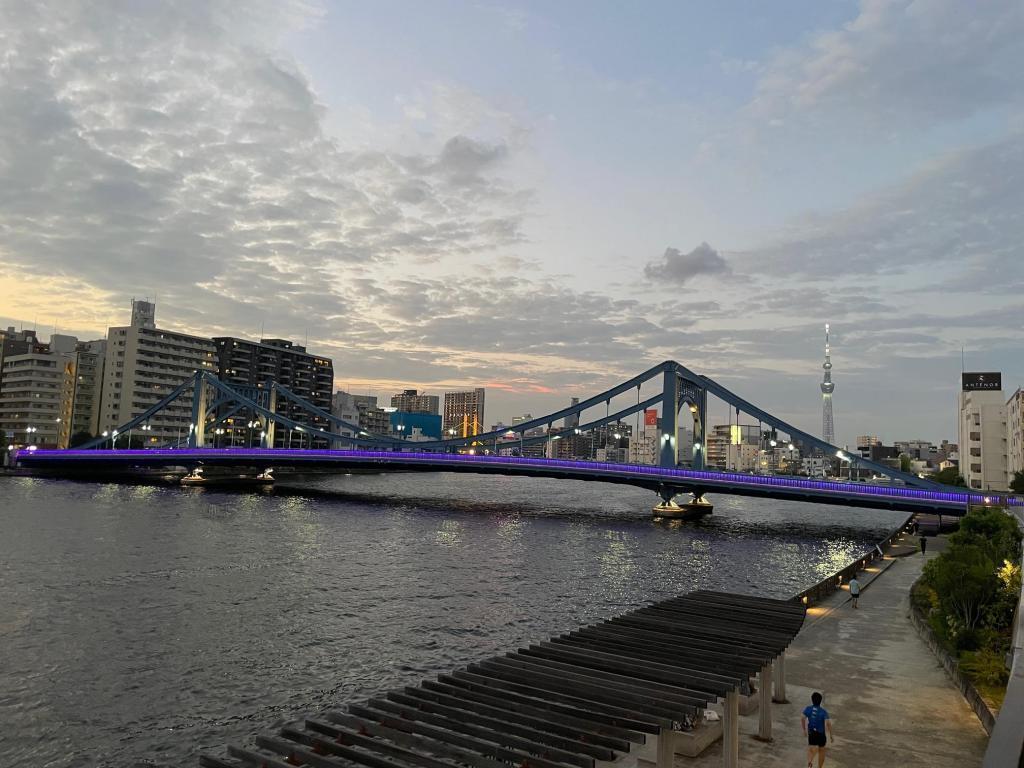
(983, 432)
(1015, 434)
(143, 365)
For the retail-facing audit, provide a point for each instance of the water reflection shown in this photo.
(174, 617)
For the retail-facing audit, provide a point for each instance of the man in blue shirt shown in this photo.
(814, 720)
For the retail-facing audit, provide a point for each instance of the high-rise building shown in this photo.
(84, 389)
(254, 364)
(411, 401)
(573, 419)
(721, 436)
(464, 413)
(983, 431)
(51, 391)
(828, 430)
(143, 365)
(1015, 434)
(33, 386)
(370, 418)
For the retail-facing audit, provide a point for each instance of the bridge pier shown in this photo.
(667, 508)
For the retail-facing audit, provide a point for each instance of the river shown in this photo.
(141, 623)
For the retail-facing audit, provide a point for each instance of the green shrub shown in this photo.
(965, 580)
(984, 666)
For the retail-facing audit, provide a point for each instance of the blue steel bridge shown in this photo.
(681, 397)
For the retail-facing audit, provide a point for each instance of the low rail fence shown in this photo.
(818, 592)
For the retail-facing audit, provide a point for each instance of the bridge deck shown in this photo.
(951, 501)
(583, 698)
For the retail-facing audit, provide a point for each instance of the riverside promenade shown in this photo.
(890, 699)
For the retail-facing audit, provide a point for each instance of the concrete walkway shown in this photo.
(890, 700)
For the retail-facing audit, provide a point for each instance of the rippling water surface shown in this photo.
(139, 624)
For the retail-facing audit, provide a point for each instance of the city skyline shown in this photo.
(515, 209)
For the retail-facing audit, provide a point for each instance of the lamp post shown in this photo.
(147, 428)
(263, 437)
(113, 440)
(248, 440)
(29, 431)
(216, 440)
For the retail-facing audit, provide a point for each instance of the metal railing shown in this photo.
(1006, 745)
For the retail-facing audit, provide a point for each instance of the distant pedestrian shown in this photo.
(924, 544)
(814, 720)
(914, 526)
(854, 590)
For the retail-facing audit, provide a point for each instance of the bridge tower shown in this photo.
(668, 450)
(828, 431)
(197, 429)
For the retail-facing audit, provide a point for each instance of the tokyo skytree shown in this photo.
(828, 430)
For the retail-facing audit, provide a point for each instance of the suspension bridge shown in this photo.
(339, 445)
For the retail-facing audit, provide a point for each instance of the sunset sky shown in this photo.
(540, 198)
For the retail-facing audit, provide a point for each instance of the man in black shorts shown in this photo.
(814, 721)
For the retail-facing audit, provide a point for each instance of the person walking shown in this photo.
(924, 544)
(814, 720)
(854, 590)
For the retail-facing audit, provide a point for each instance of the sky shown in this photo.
(540, 198)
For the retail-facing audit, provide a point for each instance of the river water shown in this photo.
(139, 624)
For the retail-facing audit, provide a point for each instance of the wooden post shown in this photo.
(666, 748)
(764, 730)
(731, 730)
(780, 680)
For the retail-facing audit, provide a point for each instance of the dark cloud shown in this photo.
(677, 268)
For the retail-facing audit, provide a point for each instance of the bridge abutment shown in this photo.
(668, 508)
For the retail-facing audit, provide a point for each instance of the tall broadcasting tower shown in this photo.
(828, 430)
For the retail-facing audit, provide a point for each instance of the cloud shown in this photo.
(960, 211)
(676, 267)
(168, 147)
(900, 63)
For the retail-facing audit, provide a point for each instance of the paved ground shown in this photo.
(891, 702)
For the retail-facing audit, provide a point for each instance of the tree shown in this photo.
(1017, 484)
(80, 437)
(993, 531)
(949, 476)
(904, 462)
(965, 580)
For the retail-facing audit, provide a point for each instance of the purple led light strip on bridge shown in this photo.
(442, 459)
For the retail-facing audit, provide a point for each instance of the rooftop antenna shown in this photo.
(963, 364)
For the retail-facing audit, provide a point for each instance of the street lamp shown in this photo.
(248, 442)
(113, 440)
(216, 441)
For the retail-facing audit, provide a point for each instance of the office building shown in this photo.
(983, 431)
(253, 364)
(411, 401)
(463, 413)
(406, 425)
(143, 364)
(1015, 434)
